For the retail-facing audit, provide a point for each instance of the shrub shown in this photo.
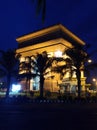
(48, 94)
(31, 93)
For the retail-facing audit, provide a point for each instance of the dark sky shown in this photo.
(17, 17)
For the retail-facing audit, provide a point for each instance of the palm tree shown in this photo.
(25, 71)
(78, 57)
(40, 63)
(8, 66)
(41, 8)
(35, 66)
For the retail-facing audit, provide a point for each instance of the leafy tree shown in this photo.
(8, 66)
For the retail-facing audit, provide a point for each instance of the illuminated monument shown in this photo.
(54, 40)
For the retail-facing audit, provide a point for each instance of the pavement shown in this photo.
(48, 116)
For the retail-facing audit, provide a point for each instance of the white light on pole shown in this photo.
(94, 80)
(89, 61)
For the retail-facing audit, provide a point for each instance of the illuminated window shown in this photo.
(22, 59)
(50, 54)
(35, 84)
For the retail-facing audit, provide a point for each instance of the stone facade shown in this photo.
(53, 40)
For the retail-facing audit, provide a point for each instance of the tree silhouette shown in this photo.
(25, 71)
(41, 8)
(78, 57)
(40, 63)
(8, 66)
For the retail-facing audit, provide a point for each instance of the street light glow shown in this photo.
(94, 79)
(89, 61)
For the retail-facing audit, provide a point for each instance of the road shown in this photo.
(46, 116)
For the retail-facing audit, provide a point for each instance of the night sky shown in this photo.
(18, 17)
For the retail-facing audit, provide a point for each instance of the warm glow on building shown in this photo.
(54, 40)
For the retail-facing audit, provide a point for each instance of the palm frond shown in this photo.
(26, 75)
(40, 8)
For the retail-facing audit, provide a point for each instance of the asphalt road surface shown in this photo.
(46, 116)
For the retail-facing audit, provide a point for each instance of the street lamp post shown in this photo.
(94, 80)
